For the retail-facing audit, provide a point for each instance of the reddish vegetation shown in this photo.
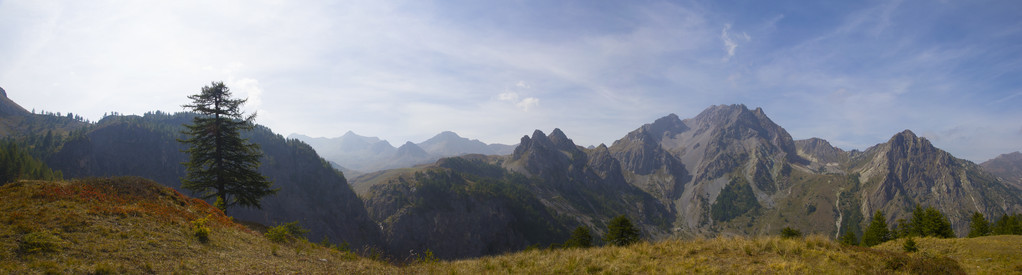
(135, 197)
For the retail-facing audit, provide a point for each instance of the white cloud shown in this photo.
(522, 103)
(731, 41)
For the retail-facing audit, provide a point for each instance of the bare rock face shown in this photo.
(908, 170)
(686, 163)
(821, 155)
(1006, 166)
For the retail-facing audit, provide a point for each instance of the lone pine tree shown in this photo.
(620, 232)
(221, 164)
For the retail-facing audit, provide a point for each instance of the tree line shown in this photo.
(17, 164)
(930, 222)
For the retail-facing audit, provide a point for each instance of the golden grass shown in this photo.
(812, 255)
(983, 255)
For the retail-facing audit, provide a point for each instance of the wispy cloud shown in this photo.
(731, 41)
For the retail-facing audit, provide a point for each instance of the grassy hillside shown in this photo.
(987, 255)
(132, 225)
(813, 255)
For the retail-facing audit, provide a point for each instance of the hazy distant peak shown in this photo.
(350, 133)
(2, 92)
(448, 134)
(409, 149)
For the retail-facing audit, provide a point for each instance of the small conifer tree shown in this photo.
(910, 245)
(849, 238)
(620, 232)
(877, 231)
(979, 226)
(580, 238)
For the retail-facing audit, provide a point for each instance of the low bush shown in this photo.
(285, 232)
(39, 242)
(910, 245)
(201, 231)
(790, 233)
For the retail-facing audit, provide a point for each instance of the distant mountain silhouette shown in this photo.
(363, 154)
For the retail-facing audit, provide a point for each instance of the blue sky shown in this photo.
(852, 72)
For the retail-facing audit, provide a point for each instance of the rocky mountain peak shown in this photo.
(723, 114)
(665, 127)
(539, 136)
(907, 143)
(2, 92)
(561, 141)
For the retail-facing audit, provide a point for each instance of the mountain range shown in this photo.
(357, 154)
(730, 170)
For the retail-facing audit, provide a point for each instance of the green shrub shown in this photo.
(849, 238)
(40, 241)
(910, 245)
(790, 233)
(428, 258)
(285, 232)
(201, 231)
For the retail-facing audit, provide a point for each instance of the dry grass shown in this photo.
(130, 225)
(983, 255)
(812, 255)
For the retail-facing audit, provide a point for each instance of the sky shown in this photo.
(852, 72)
